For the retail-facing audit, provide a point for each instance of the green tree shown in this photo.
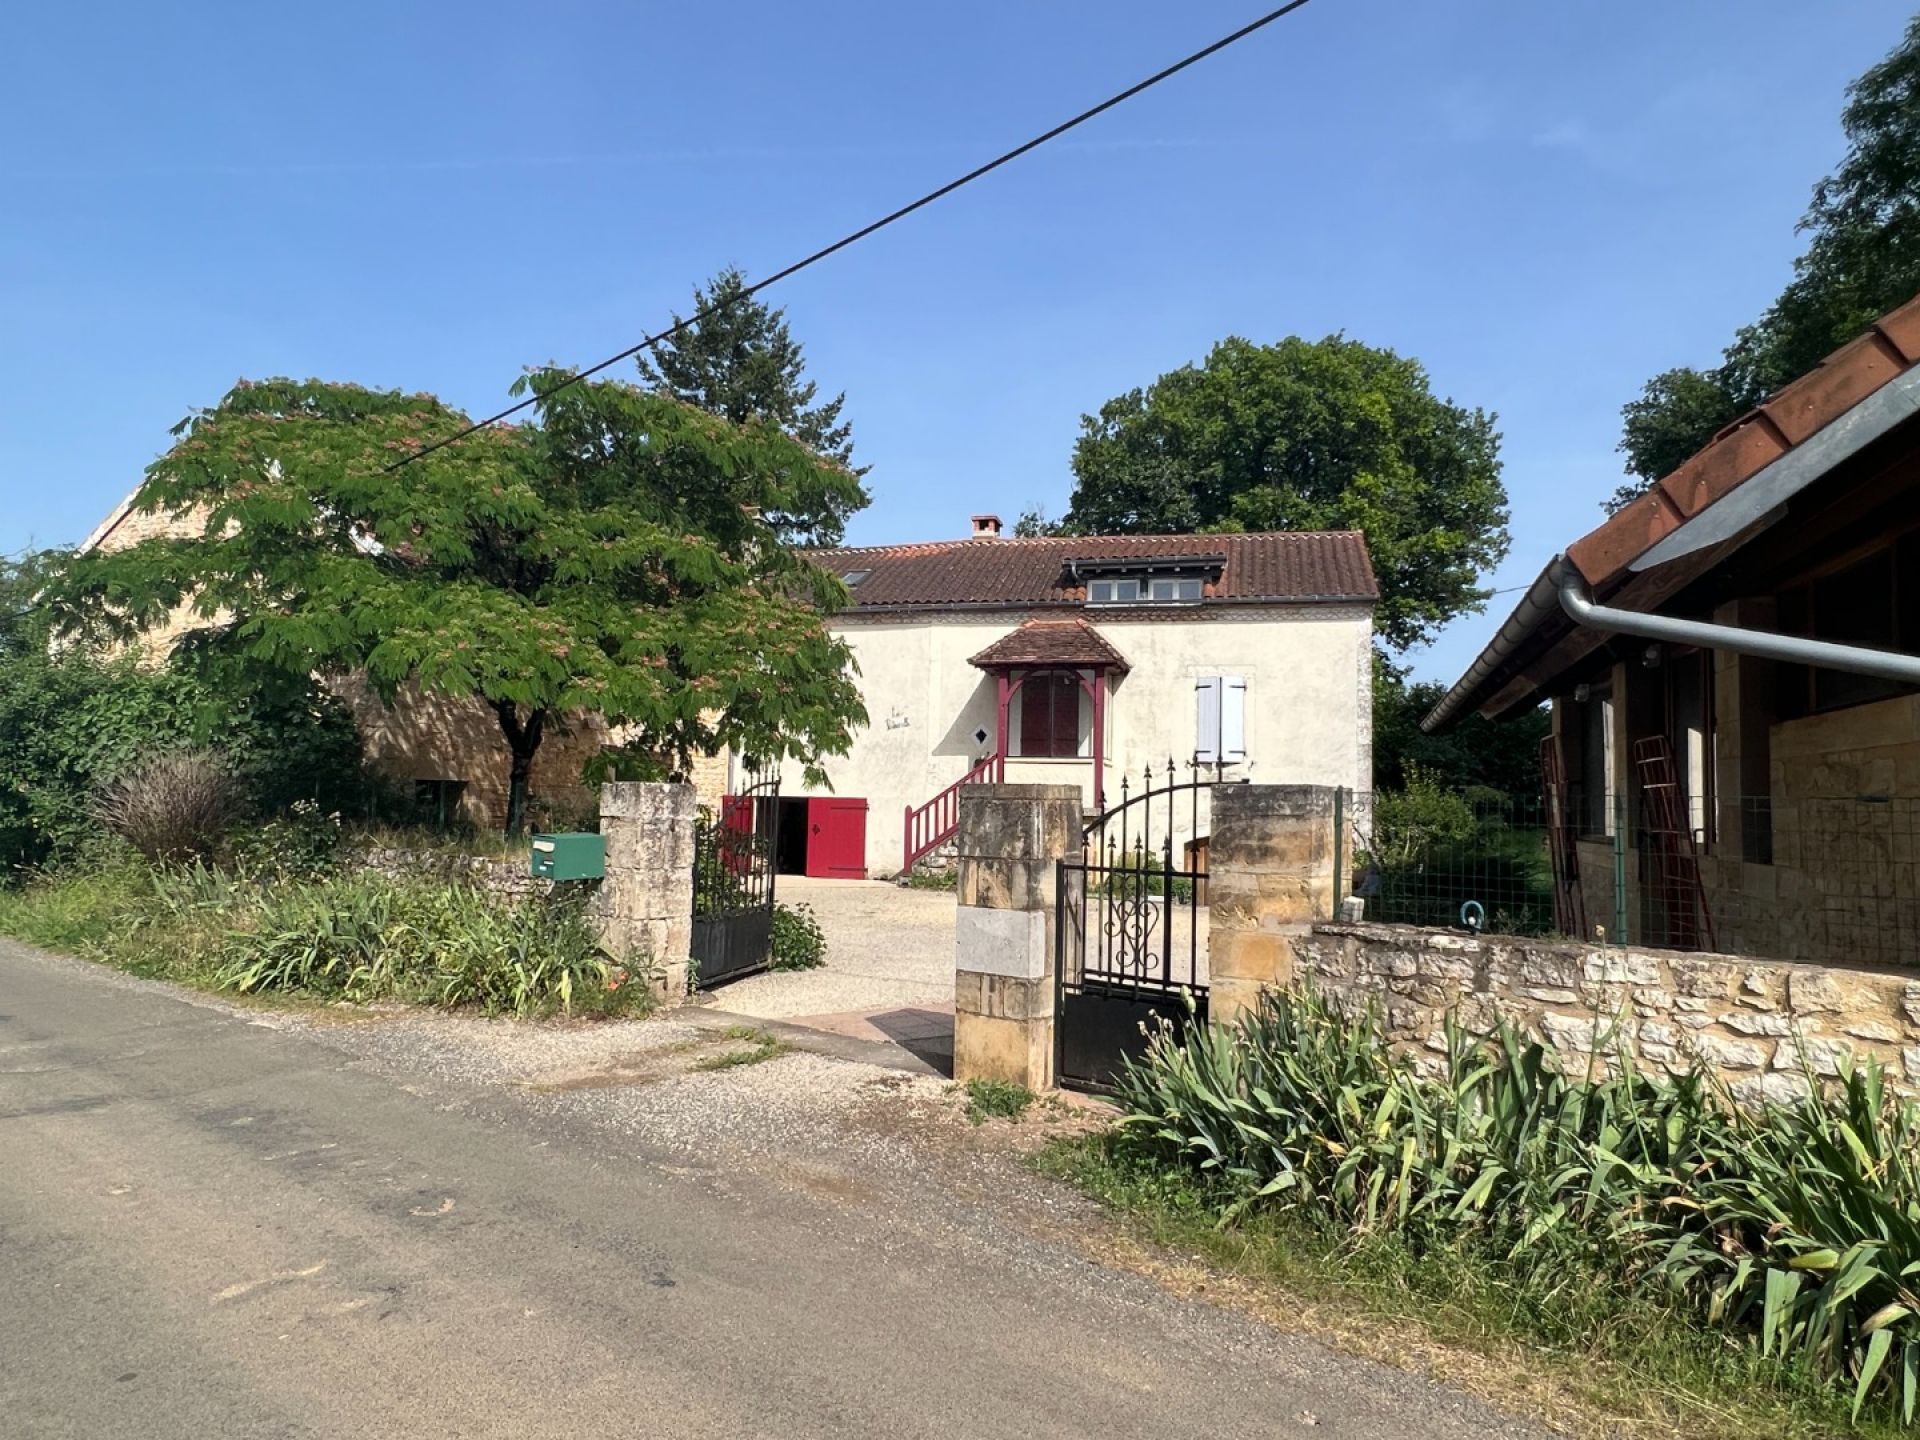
(741, 362)
(1308, 435)
(613, 558)
(1474, 753)
(1034, 523)
(1862, 260)
(74, 719)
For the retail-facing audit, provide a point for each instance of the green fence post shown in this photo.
(1339, 844)
(1620, 869)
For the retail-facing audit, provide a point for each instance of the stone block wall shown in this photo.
(1270, 864)
(1010, 840)
(1758, 1023)
(644, 908)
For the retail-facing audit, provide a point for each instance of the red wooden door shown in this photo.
(837, 838)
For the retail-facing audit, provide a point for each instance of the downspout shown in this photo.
(1577, 600)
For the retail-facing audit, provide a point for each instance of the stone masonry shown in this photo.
(1011, 838)
(1762, 1025)
(645, 904)
(1270, 866)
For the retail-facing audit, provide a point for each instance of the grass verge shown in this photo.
(996, 1100)
(334, 937)
(1582, 1357)
(760, 1046)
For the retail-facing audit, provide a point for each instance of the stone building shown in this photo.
(1708, 787)
(1082, 661)
(448, 748)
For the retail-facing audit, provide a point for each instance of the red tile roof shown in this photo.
(1753, 442)
(1537, 643)
(1273, 567)
(1070, 642)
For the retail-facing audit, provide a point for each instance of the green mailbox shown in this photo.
(579, 855)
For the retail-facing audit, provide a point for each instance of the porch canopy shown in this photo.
(1054, 647)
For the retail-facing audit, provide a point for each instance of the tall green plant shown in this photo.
(1795, 1227)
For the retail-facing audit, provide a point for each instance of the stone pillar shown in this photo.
(1010, 840)
(645, 906)
(1269, 875)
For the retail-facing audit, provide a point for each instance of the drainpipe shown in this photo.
(1577, 600)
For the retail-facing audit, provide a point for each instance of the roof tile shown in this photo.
(1273, 566)
(1834, 387)
(1902, 329)
(1051, 642)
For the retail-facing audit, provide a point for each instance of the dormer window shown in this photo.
(1146, 579)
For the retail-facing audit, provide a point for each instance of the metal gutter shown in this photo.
(1541, 600)
(1769, 488)
(1577, 600)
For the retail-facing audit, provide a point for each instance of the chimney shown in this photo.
(986, 527)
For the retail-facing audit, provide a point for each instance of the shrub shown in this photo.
(798, 941)
(996, 1099)
(372, 937)
(301, 844)
(917, 879)
(1794, 1227)
(174, 806)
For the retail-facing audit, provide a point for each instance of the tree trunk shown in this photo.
(523, 741)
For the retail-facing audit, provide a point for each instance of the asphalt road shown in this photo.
(217, 1225)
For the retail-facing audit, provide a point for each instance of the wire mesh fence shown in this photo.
(1823, 878)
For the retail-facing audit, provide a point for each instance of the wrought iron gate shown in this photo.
(1130, 942)
(733, 873)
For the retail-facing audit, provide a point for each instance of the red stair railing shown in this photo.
(932, 824)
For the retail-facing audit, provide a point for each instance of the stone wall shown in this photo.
(507, 876)
(1758, 1023)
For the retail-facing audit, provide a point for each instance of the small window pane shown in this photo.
(1165, 589)
(1189, 590)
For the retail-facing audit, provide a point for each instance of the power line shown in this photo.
(858, 235)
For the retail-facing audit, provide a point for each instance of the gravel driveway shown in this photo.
(889, 970)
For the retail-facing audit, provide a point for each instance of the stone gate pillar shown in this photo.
(1270, 866)
(645, 906)
(1010, 840)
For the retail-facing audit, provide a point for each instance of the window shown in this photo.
(1050, 715)
(1153, 590)
(1220, 720)
(854, 577)
(1874, 601)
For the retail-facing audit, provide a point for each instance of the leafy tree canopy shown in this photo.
(1307, 435)
(75, 719)
(1473, 753)
(741, 362)
(1862, 260)
(613, 558)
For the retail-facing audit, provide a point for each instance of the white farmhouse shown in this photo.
(1085, 660)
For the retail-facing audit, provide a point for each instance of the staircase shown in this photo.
(931, 825)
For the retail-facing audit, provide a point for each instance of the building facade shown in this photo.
(1708, 788)
(1086, 661)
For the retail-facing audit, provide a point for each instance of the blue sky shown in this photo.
(1544, 202)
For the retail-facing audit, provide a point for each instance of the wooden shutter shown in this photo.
(1206, 720)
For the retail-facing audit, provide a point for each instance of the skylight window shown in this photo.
(854, 577)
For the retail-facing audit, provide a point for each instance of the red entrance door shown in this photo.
(837, 838)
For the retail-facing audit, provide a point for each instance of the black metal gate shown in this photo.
(1130, 943)
(733, 876)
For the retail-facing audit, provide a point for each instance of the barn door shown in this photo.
(837, 838)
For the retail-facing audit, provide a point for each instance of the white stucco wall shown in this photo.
(1308, 707)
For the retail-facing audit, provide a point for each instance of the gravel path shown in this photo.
(887, 948)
